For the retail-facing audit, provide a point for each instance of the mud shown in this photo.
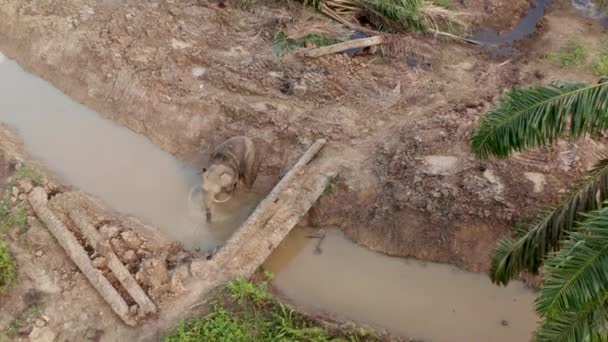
(424, 301)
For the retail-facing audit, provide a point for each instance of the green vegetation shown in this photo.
(244, 311)
(420, 16)
(30, 173)
(572, 54)
(14, 216)
(25, 318)
(570, 239)
(282, 45)
(8, 271)
(600, 66)
(441, 3)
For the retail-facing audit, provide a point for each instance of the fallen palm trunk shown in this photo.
(351, 44)
(67, 240)
(266, 209)
(114, 264)
(254, 251)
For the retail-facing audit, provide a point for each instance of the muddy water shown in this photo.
(122, 168)
(502, 44)
(427, 301)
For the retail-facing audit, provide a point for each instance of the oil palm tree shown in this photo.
(570, 240)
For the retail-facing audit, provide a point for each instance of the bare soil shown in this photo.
(408, 184)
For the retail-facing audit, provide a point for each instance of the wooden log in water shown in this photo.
(67, 240)
(274, 217)
(114, 264)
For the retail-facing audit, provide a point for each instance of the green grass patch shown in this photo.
(441, 3)
(246, 311)
(8, 270)
(12, 216)
(281, 44)
(29, 172)
(25, 318)
(572, 54)
(600, 66)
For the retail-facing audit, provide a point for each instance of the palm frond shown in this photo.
(574, 295)
(528, 250)
(539, 115)
(578, 273)
(396, 15)
(587, 324)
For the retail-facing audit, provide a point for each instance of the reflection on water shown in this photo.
(421, 300)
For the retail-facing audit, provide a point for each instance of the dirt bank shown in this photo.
(188, 74)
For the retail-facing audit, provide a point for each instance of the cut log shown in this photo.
(114, 264)
(350, 44)
(267, 209)
(67, 240)
(254, 251)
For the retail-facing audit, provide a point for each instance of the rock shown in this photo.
(15, 191)
(493, 179)
(154, 275)
(39, 323)
(178, 277)
(198, 71)
(537, 179)
(131, 240)
(418, 201)
(441, 165)
(26, 185)
(133, 310)
(18, 164)
(37, 237)
(51, 187)
(119, 246)
(129, 257)
(22, 197)
(109, 232)
(42, 335)
(99, 262)
(39, 253)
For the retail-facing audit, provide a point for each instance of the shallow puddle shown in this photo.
(420, 300)
(122, 168)
(502, 44)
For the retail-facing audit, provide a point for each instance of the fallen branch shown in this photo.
(347, 45)
(114, 264)
(67, 240)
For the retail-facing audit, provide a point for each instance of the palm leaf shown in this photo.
(578, 272)
(527, 251)
(539, 115)
(574, 295)
(573, 326)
